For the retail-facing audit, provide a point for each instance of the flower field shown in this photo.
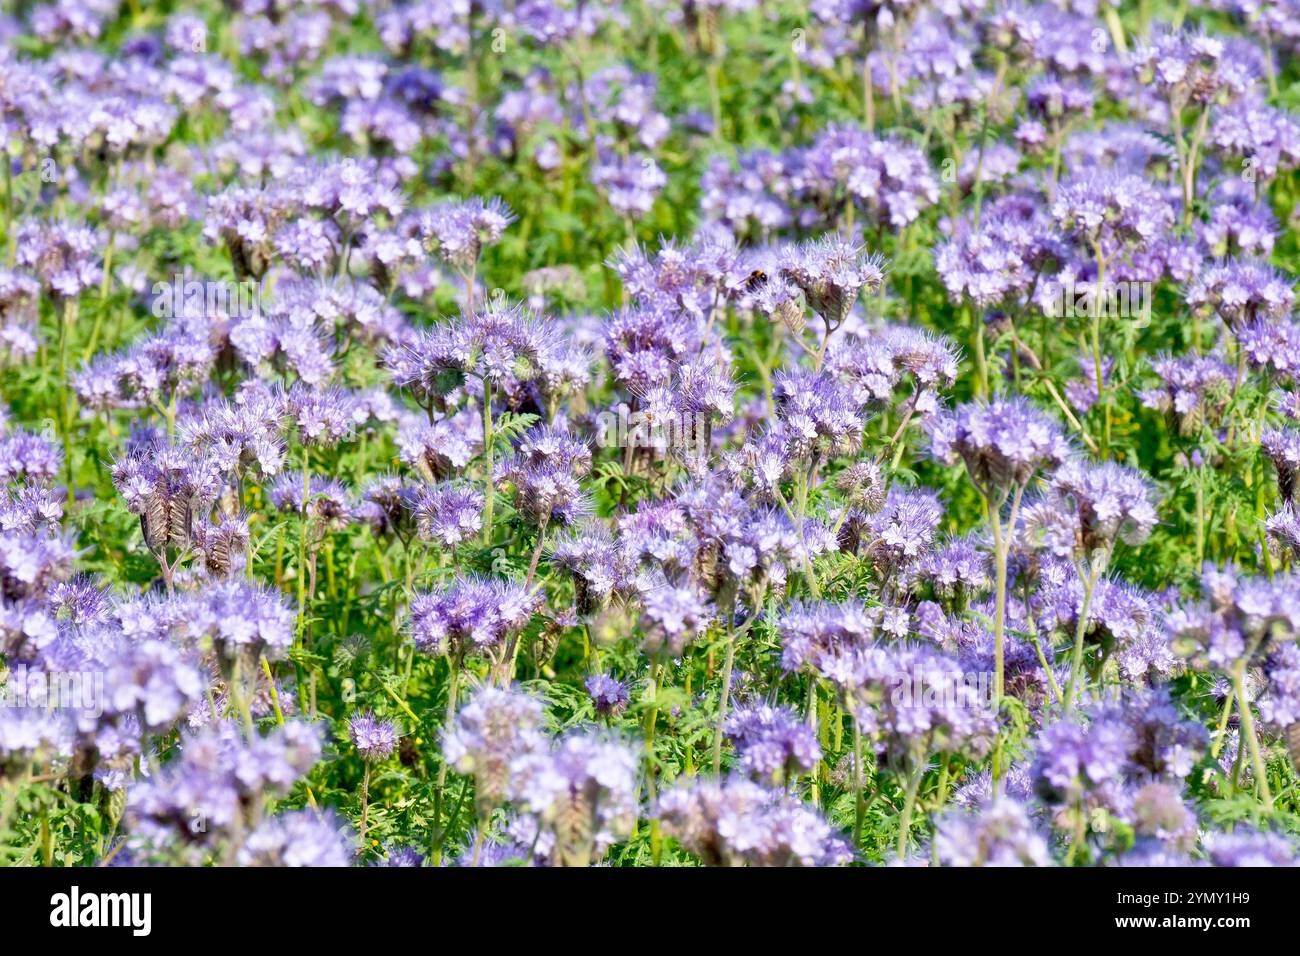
(649, 433)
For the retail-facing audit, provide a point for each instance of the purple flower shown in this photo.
(1003, 443)
(64, 256)
(999, 834)
(459, 231)
(489, 735)
(739, 823)
(1193, 391)
(1105, 503)
(582, 790)
(1113, 213)
(374, 739)
(471, 615)
(1239, 617)
(448, 513)
(671, 617)
(629, 184)
(608, 695)
(545, 472)
(1246, 847)
(235, 617)
(774, 743)
(300, 838)
(831, 272)
(1192, 67)
(1241, 292)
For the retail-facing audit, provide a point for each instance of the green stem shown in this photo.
(453, 686)
(909, 806)
(1248, 730)
(725, 698)
(1095, 566)
(487, 452)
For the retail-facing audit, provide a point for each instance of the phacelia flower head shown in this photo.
(774, 743)
(609, 695)
(1108, 502)
(583, 789)
(831, 272)
(459, 231)
(738, 823)
(470, 616)
(999, 834)
(492, 731)
(374, 739)
(1003, 442)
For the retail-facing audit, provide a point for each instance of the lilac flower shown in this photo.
(29, 735)
(471, 615)
(999, 834)
(246, 221)
(1091, 755)
(583, 790)
(222, 545)
(608, 695)
(299, 838)
(1122, 621)
(882, 359)
(863, 486)
(322, 499)
(898, 534)
(240, 434)
(448, 513)
(774, 743)
(1272, 346)
(490, 735)
(502, 343)
(1246, 847)
(374, 739)
(1003, 443)
(154, 681)
(1083, 392)
(18, 314)
(402, 856)
(738, 823)
(831, 272)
